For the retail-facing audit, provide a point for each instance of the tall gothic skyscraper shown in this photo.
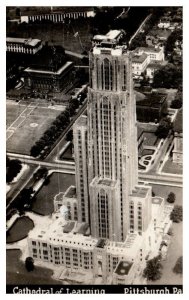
(112, 142)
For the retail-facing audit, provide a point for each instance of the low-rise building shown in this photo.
(47, 80)
(154, 53)
(139, 64)
(56, 14)
(21, 45)
(151, 108)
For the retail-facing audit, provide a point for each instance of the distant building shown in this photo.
(178, 139)
(139, 64)
(56, 14)
(49, 70)
(154, 53)
(21, 45)
(151, 108)
(46, 80)
(157, 37)
(164, 23)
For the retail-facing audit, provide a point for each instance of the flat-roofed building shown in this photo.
(21, 45)
(154, 53)
(56, 81)
(139, 64)
(55, 14)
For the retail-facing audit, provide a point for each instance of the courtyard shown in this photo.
(58, 182)
(26, 124)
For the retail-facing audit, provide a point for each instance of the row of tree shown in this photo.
(44, 144)
(13, 167)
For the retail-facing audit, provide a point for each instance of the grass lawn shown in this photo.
(17, 273)
(150, 139)
(20, 229)
(164, 190)
(171, 167)
(59, 182)
(59, 34)
(67, 154)
(25, 134)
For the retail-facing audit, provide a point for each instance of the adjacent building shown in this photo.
(21, 45)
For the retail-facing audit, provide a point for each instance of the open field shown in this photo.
(171, 167)
(164, 190)
(17, 273)
(58, 182)
(26, 124)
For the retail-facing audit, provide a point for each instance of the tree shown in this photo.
(40, 173)
(69, 136)
(171, 197)
(178, 268)
(29, 264)
(168, 76)
(13, 168)
(153, 269)
(176, 214)
(165, 125)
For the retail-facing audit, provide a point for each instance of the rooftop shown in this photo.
(28, 42)
(81, 121)
(154, 100)
(157, 200)
(139, 58)
(58, 72)
(107, 182)
(147, 50)
(101, 243)
(140, 191)
(71, 192)
(123, 267)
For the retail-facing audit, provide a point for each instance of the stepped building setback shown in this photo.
(110, 224)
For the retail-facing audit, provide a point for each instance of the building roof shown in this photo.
(178, 126)
(81, 121)
(155, 65)
(154, 100)
(139, 58)
(147, 50)
(123, 267)
(157, 200)
(28, 42)
(58, 72)
(113, 34)
(140, 191)
(71, 192)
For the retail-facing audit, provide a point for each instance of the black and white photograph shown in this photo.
(94, 149)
